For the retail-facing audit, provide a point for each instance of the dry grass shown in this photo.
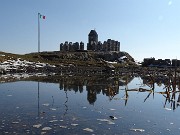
(57, 58)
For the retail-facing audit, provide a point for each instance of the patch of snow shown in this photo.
(53, 121)
(112, 109)
(20, 64)
(53, 109)
(106, 120)
(15, 122)
(137, 129)
(46, 128)
(2, 55)
(110, 62)
(37, 126)
(74, 124)
(88, 129)
(169, 109)
(63, 126)
(45, 104)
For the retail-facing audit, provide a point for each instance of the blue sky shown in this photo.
(145, 28)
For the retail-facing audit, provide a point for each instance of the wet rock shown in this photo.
(43, 112)
(113, 117)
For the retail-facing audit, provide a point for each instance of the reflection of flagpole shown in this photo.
(65, 104)
(38, 33)
(38, 98)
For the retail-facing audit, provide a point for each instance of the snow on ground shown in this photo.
(2, 55)
(110, 62)
(21, 65)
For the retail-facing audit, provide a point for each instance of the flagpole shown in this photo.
(38, 33)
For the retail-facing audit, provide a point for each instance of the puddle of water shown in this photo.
(80, 106)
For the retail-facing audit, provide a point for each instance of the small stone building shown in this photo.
(71, 47)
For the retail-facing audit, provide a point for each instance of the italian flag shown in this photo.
(42, 16)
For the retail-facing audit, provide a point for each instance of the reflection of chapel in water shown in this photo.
(94, 86)
(109, 87)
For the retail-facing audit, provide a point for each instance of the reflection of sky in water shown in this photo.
(69, 112)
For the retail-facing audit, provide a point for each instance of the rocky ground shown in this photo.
(83, 62)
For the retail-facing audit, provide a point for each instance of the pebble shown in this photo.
(113, 117)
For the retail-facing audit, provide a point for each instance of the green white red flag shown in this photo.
(42, 16)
